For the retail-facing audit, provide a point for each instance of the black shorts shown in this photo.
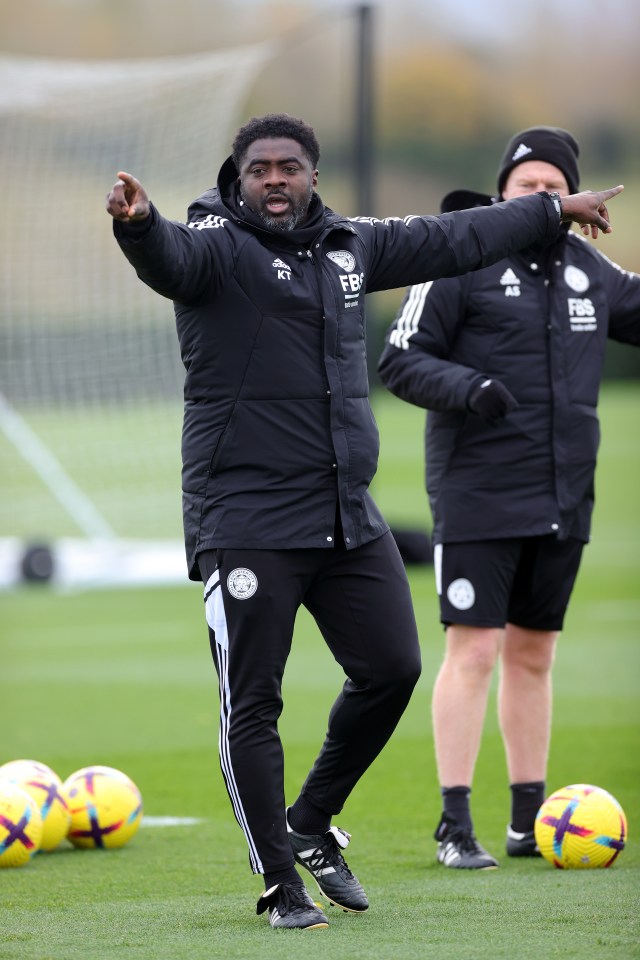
(526, 581)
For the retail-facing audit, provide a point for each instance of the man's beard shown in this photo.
(297, 215)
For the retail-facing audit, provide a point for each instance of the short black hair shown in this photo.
(276, 125)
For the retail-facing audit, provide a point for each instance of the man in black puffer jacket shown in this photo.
(508, 361)
(279, 449)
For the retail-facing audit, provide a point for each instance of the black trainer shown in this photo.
(522, 844)
(458, 848)
(290, 906)
(320, 855)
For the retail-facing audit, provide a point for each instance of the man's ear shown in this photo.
(314, 178)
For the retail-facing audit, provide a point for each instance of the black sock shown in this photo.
(289, 875)
(456, 805)
(304, 817)
(526, 800)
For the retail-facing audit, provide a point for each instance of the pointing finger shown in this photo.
(611, 192)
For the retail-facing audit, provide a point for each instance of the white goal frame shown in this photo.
(90, 371)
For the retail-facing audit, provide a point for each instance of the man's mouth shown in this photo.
(276, 203)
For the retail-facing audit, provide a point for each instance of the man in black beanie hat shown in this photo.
(548, 144)
(508, 362)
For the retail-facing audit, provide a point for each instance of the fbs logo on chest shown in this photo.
(582, 312)
(350, 281)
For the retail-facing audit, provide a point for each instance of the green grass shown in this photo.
(125, 458)
(124, 678)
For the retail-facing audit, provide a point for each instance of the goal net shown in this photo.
(90, 372)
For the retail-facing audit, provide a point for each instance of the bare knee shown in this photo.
(472, 650)
(530, 651)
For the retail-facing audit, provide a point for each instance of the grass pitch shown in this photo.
(124, 678)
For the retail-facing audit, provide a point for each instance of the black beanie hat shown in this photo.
(551, 144)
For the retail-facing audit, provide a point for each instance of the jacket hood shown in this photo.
(464, 200)
(215, 200)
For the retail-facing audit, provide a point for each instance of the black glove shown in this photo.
(491, 400)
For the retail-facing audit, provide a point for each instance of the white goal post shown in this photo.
(90, 372)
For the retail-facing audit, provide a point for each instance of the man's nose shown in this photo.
(275, 178)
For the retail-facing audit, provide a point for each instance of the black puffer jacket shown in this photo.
(278, 431)
(538, 322)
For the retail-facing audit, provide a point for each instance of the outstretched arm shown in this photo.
(589, 210)
(419, 249)
(127, 200)
(185, 265)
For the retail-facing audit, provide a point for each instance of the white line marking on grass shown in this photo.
(169, 821)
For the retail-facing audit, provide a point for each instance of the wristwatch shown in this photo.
(557, 202)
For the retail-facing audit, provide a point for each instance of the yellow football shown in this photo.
(105, 807)
(20, 826)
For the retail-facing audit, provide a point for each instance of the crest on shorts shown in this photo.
(242, 583)
(461, 594)
(344, 259)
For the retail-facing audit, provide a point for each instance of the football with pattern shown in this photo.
(44, 785)
(20, 825)
(581, 826)
(105, 806)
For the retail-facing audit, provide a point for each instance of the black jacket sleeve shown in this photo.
(623, 295)
(414, 364)
(416, 249)
(181, 263)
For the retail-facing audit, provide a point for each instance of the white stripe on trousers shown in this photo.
(217, 621)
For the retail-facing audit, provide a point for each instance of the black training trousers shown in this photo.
(361, 602)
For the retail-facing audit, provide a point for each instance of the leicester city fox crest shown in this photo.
(242, 583)
(344, 259)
